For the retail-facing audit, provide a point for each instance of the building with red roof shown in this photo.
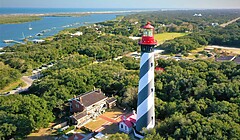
(127, 123)
(76, 137)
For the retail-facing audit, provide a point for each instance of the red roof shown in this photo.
(76, 137)
(159, 69)
(130, 120)
(148, 26)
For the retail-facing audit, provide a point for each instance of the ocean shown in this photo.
(51, 25)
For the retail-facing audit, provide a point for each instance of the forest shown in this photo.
(193, 99)
(228, 36)
(8, 75)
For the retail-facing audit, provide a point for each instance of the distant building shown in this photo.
(89, 105)
(126, 125)
(214, 24)
(77, 34)
(197, 15)
(38, 41)
(159, 69)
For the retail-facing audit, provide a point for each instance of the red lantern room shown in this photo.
(147, 37)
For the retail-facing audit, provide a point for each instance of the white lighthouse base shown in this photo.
(137, 134)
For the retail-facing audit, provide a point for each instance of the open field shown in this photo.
(167, 36)
(10, 19)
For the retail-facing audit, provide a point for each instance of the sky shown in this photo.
(191, 4)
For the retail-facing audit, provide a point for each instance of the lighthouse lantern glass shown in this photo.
(147, 32)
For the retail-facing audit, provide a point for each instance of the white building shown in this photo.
(126, 125)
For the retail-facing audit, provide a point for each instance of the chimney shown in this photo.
(124, 118)
(80, 99)
(134, 112)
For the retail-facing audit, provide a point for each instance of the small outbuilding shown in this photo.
(127, 123)
(76, 137)
(38, 41)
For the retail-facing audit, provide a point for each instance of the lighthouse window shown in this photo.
(152, 121)
(151, 89)
(151, 64)
(147, 32)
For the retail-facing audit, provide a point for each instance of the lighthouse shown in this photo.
(145, 104)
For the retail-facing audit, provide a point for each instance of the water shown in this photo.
(61, 10)
(52, 24)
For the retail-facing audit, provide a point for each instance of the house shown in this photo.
(159, 69)
(89, 105)
(77, 34)
(76, 137)
(38, 41)
(197, 15)
(111, 102)
(126, 125)
(214, 24)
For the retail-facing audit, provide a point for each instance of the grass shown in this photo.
(93, 125)
(10, 19)
(167, 36)
(13, 86)
(198, 50)
(111, 129)
(113, 113)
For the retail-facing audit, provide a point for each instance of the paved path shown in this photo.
(27, 80)
(230, 22)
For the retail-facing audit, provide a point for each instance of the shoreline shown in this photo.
(18, 18)
(74, 13)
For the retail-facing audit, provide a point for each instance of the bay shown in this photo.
(52, 25)
(49, 25)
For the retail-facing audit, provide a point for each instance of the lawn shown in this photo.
(95, 124)
(167, 36)
(114, 113)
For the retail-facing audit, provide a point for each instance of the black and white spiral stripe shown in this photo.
(145, 108)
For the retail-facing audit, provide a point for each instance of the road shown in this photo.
(230, 22)
(28, 80)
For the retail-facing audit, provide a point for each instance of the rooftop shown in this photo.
(91, 98)
(80, 115)
(76, 137)
(110, 100)
(129, 121)
(237, 60)
(225, 58)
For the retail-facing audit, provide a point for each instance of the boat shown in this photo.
(29, 36)
(39, 34)
(29, 28)
(8, 41)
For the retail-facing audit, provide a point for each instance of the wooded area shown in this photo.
(194, 99)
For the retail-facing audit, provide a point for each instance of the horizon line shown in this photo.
(127, 8)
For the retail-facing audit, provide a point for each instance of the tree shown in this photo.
(119, 136)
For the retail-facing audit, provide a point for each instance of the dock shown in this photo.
(13, 41)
